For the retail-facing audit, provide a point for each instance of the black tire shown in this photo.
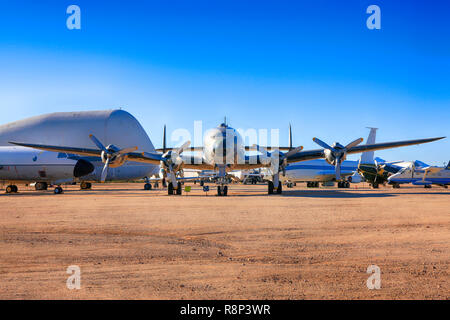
(170, 189)
(225, 191)
(58, 190)
(219, 191)
(179, 188)
(347, 184)
(202, 183)
(270, 187)
(280, 188)
(147, 186)
(375, 185)
(9, 189)
(41, 186)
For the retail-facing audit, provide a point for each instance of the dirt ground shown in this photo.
(304, 244)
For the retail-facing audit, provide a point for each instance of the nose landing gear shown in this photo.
(222, 191)
(172, 191)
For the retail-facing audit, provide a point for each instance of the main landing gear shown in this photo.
(85, 185)
(147, 186)
(312, 184)
(174, 191)
(222, 191)
(11, 189)
(58, 190)
(41, 186)
(343, 184)
(271, 188)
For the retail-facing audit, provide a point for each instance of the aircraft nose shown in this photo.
(223, 150)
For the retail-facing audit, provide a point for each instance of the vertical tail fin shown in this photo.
(448, 166)
(367, 157)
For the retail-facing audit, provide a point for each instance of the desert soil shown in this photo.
(304, 244)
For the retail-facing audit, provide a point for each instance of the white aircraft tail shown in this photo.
(367, 157)
(448, 166)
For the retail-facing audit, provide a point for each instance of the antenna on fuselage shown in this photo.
(164, 139)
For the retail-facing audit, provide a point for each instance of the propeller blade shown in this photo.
(127, 150)
(322, 144)
(293, 151)
(261, 149)
(105, 171)
(354, 143)
(290, 137)
(184, 146)
(97, 143)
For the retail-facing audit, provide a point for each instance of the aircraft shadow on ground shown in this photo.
(349, 194)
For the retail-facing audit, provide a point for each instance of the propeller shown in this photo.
(337, 153)
(110, 154)
(278, 158)
(172, 161)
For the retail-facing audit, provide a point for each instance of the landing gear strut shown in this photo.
(11, 189)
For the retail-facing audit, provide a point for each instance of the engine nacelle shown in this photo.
(82, 168)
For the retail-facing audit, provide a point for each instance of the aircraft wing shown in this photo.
(432, 169)
(146, 157)
(78, 151)
(320, 153)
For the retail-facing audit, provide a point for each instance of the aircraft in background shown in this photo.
(25, 165)
(422, 175)
(223, 151)
(315, 171)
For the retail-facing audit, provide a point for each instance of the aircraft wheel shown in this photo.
(347, 184)
(147, 186)
(85, 185)
(9, 189)
(427, 186)
(280, 188)
(270, 187)
(225, 191)
(375, 185)
(58, 190)
(202, 183)
(41, 186)
(179, 188)
(170, 189)
(219, 191)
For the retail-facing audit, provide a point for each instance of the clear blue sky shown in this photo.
(262, 64)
